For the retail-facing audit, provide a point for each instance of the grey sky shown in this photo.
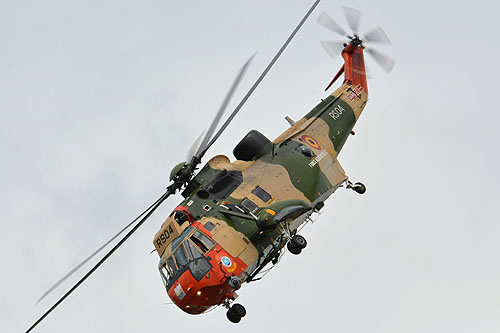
(99, 99)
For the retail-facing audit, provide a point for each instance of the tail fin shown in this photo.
(353, 67)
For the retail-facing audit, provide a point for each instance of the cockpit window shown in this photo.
(165, 275)
(209, 226)
(192, 250)
(199, 268)
(171, 265)
(202, 241)
(181, 237)
(187, 255)
(180, 257)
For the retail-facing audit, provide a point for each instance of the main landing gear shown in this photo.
(359, 188)
(236, 312)
(296, 244)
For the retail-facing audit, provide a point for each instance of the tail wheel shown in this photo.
(360, 188)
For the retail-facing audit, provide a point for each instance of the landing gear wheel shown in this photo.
(292, 248)
(239, 310)
(232, 317)
(299, 242)
(360, 188)
(236, 312)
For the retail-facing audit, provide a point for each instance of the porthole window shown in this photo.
(306, 151)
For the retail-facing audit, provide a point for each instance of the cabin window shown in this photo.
(262, 194)
(249, 205)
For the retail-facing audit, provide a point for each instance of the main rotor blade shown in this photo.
(194, 147)
(222, 108)
(65, 277)
(384, 61)
(152, 208)
(353, 17)
(376, 35)
(259, 80)
(333, 48)
(325, 20)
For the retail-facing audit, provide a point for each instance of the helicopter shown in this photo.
(239, 217)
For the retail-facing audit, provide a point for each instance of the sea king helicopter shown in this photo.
(239, 217)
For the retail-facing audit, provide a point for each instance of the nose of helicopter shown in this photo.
(196, 296)
(198, 272)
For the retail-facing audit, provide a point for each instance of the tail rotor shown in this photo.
(374, 36)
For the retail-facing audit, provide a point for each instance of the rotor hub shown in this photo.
(356, 41)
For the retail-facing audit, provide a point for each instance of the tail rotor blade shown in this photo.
(353, 17)
(368, 72)
(376, 35)
(325, 20)
(333, 48)
(384, 61)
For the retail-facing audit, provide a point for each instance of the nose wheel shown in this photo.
(236, 312)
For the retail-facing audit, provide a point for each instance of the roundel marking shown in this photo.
(232, 269)
(226, 261)
(311, 142)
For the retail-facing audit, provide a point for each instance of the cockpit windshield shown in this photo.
(181, 237)
(187, 254)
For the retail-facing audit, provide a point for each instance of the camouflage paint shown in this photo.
(298, 170)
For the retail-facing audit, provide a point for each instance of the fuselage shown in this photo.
(234, 213)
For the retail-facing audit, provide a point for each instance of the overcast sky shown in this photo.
(100, 99)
